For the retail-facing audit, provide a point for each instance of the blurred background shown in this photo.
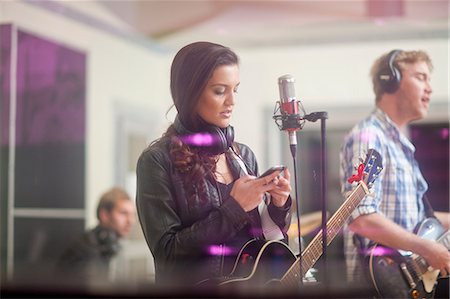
(85, 87)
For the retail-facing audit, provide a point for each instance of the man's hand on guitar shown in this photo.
(436, 255)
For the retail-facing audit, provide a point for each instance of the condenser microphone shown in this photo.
(291, 118)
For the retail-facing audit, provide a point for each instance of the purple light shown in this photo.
(199, 139)
(379, 21)
(366, 136)
(444, 133)
(382, 251)
(221, 250)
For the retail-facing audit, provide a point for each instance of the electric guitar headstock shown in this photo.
(368, 170)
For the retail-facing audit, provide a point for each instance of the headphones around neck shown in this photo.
(389, 75)
(107, 241)
(210, 139)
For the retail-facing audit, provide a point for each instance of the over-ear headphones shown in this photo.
(107, 241)
(389, 75)
(211, 139)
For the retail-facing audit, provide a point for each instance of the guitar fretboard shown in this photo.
(315, 248)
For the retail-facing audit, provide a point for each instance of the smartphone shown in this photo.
(272, 170)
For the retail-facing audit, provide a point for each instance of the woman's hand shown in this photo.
(280, 193)
(248, 190)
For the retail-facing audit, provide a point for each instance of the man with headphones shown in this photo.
(87, 262)
(401, 83)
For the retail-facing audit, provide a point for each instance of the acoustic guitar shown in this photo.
(262, 262)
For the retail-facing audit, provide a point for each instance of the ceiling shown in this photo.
(281, 23)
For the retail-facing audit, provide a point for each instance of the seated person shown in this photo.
(88, 259)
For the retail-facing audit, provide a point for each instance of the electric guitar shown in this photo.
(396, 273)
(263, 262)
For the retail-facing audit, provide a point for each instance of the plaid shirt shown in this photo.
(397, 191)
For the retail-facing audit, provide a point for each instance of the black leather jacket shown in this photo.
(191, 239)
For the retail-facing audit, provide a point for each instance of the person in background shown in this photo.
(401, 82)
(198, 198)
(88, 260)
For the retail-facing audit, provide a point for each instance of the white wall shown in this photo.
(331, 77)
(125, 75)
(121, 73)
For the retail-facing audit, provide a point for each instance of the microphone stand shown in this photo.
(295, 122)
(313, 117)
(293, 148)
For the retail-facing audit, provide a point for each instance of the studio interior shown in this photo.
(85, 88)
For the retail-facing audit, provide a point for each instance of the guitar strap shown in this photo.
(271, 231)
(429, 212)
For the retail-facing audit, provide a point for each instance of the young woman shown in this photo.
(198, 198)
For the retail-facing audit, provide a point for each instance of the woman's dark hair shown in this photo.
(191, 70)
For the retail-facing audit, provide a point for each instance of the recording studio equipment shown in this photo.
(389, 75)
(292, 112)
(290, 116)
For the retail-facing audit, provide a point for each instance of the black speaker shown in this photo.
(389, 75)
(210, 139)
